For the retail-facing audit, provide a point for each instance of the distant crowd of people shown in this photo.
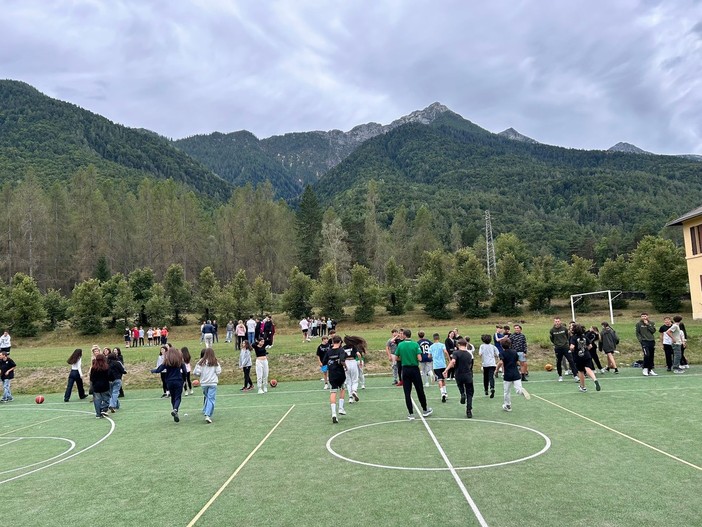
(152, 336)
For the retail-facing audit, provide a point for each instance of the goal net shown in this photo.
(609, 294)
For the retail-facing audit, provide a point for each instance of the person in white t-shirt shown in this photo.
(305, 327)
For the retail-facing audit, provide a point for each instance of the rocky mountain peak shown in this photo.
(627, 148)
(512, 134)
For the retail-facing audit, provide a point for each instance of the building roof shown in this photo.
(687, 216)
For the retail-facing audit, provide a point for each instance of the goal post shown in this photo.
(611, 295)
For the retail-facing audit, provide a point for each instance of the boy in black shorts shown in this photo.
(581, 356)
(336, 370)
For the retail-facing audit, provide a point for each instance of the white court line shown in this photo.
(470, 501)
(10, 442)
(29, 426)
(671, 456)
(239, 468)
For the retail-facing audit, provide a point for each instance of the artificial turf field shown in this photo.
(628, 455)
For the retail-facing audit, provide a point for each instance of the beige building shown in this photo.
(692, 232)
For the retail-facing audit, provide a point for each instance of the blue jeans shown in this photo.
(210, 392)
(251, 335)
(101, 401)
(7, 394)
(114, 393)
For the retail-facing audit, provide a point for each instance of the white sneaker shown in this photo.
(603, 370)
(652, 373)
(426, 384)
(560, 379)
(645, 372)
(526, 394)
(342, 411)
(568, 372)
(363, 386)
(265, 389)
(506, 408)
(326, 386)
(260, 391)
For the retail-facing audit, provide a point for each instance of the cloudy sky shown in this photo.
(580, 74)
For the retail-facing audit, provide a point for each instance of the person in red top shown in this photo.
(164, 336)
(135, 337)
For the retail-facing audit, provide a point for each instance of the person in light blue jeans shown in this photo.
(115, 372)
(208, 369)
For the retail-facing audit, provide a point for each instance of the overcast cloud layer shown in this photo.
(578, 74)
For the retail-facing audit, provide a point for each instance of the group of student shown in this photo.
(313, 327)
(136, 336)
(105, 375)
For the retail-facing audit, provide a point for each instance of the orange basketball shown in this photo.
(196, 383)
(548, 367)
(39, 399)
(273, 383)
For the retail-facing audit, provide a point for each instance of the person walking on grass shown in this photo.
(352, 349)
(7, 373)
(390, 347)
(321, 352)
(187, 383)
(462, 360)
(75, 376)
(438, 356)
(115, 370)
(261, 365)
(245, 365)
(559, 337)
(610, 340)
(409, 353)
(646, 335)
(208, 369)
(335, 361)
(667, 342)
(519, 344)
(592, 335)
(174, 369)
(100, 381)
(5, 342)
(677, 339)
(511, 376)
(159, 362)
(489, 356)
(583, 360)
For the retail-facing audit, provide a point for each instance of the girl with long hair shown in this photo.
(173, 368)
(75, 376)
(159, 362)
(115, 372)
(208, 369)
(353, 347)
(245, 364)
(187, 383)
(99, 380)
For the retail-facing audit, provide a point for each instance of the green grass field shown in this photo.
(626, 456)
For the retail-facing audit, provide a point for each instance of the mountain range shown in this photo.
(563, 200)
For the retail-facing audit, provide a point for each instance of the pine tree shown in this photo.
(25, 306)
(86, 307)
(178, 292)
(208, 289)
(432, 285)
(125, 306)
(396, 288)
(157, 307)
(56, 307)
(509, 288)
(261, 295)
(308, 222)
(296, 298)
(470, 282)
(363, 292)
(328, 294)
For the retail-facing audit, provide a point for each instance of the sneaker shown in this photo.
(185, 393)
(191, 392)
(486, 392)
(326, 386)
(96, 417)
(492, 394)
(410, 417)
(335, 420)
(260, 391)
(678, 370)
(526, 394)
(652, 373)
(644, 372)
(582, 388)
(524, 379)
(394, 383)
(507, 407)
(104, 414)
(616, 371)
(568, 372)
(355, 396)
(351, 401)
(560, 379)
(597, 386)
(265, 389)
(112, 409)
(469, 414)
(426, 384)
(428, 412)
(575, 378)
(463, 399)
(164, 396)
(342, 411)
(604, 370)
(669, 369)
(443, 397)
(208, 420)
(686, 366)
(399, 383)
(174, 413)
(363, 386)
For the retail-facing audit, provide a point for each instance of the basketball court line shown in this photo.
(671, 456)
(453, 471)
(29, 426)
(236, 472)
(10, 442)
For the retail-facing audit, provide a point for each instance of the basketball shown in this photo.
(196, 383)
(274, 383)
(39, 399)
(548, 367)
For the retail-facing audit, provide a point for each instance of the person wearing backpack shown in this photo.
(582, 358)
(610, 341)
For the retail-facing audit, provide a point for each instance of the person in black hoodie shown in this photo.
(115, 370)
(174, 368)
(99, 380)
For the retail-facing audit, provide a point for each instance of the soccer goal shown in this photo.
(611, 295)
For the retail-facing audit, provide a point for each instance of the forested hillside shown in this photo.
(560, 201)
(54, 139)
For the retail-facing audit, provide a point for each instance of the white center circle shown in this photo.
(547, 445)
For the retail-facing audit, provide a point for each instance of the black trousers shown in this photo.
(465, 387)
(595, 358)
(247, 377)
(74, 377)
(489, 377)
(564, 352)
(176, 390)
(649, 349)
(668, 350)
(412, 377)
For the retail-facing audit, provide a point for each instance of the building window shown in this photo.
(696, 239)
